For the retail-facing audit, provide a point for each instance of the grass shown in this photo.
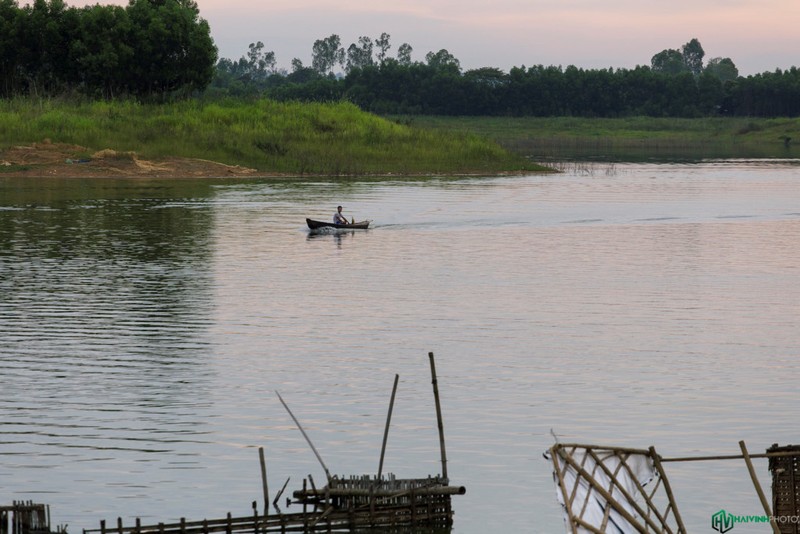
(630, 138)
(287, 138)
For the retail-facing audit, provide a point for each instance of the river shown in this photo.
(145, 326)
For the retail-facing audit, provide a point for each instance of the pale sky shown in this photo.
(758, 35)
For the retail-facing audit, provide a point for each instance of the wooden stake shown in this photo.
(264, 480)
(386, 430)
(760, 492)
(439, 417)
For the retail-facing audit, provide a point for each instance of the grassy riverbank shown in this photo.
(630, 138)
(271, 137)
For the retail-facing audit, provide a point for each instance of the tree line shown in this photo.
(162, 49)
(147, 49)
(677, 83)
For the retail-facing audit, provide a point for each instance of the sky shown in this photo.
(758, 35)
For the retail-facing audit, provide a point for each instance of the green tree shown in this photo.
(486, 94)
(693, 54)
(360, 56)
(301, 73)
(43, 38)
(10, 52)
(443, 60)
(174, 50)
(382, 43)
(404, 54)
(723, 68)
(102, 51)
(326, 54)
(260, 64)
(669, 62)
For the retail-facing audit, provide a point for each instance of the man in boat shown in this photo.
(338, 218)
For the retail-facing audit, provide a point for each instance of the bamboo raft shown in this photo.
(343, 504)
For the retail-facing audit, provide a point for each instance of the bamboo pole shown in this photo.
(667, 488)
(554, 453)
(278, 496)
(386, 430)
(264, 486)
(439, 418)
(759, 491)
(324, 467)
(683, 458)
(728, 457)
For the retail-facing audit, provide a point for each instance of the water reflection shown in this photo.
(336, 236)
(145, 326)
(104, 312)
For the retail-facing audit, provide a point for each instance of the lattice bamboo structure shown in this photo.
(785, 470)
(605, 477)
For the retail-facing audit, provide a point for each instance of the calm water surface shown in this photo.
(146, 325)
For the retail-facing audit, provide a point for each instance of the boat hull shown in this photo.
(316, 225)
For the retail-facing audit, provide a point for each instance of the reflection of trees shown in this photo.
(107, 284)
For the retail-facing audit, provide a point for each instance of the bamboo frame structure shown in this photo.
(587, 465)
(610, 480)
(345, 503)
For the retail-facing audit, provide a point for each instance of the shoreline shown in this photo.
(61, 160)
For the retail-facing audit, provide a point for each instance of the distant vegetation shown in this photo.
(677, 83)
(630, 138)
(289, 138)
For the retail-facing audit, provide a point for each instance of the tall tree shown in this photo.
(102, 52)
(383, 45)
(360, 55)
(10, 54)
(443, 60)
(174, 49)
(44, 39)
(260, 64)
(326, 54)
(693, 54)
(404, 54)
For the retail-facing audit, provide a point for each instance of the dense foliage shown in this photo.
(148, 49)
(554, 91)
(677, 83)
(160, 49)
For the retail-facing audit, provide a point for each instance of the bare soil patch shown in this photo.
(64, 160)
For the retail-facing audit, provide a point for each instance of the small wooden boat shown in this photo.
(316, 225)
